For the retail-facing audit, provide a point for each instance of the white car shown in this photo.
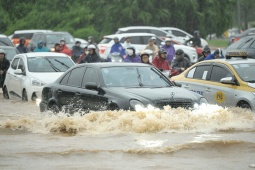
(180, 35)
(139, 41)
(29, 72)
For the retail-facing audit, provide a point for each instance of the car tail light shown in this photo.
(236, 39)
(102, 49)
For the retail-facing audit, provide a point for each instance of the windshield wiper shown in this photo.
(62, 63)
(52, 65)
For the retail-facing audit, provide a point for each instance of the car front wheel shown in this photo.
(54, 108)
(24, 95)
(5, 93)
(244, 105)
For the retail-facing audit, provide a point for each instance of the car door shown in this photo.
(20, 80)
(215, 91)
(92, 99)
(196, 78)
(67, 92)
(10, 78)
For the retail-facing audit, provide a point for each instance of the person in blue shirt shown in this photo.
(41, 48)
(216, 55)
(117, 47)
(131, 56)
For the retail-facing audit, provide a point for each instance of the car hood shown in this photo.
(46, 77)
(160, 93)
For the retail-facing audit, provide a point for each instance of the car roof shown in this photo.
(39, 54)
(3, 36)
(233, 60)
(7, 47)
(30, 31)
(53, 32)
(129, 34)
(140, 27)
(112, 64)
(171, 28)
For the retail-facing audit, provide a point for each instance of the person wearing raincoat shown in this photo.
(4, 65)
(41, 48)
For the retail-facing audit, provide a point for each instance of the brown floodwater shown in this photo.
(211, 137)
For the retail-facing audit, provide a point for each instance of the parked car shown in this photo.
(29, 72)
(180, 35)
(50, 39)
(10, 52)
(27, 34)
(5, 41)
(245, 44)
(114, 86)
(228, 82)
(235, 38)
(139, 41)
(144, 29)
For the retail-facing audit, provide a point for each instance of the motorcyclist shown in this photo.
(127, 42)
(151, 46)
(145, 57)
(83, 55)
(40, 47)
(57, 48)
(216, 55)
(92, 41)
(169, 49)
(64, 49)
(117, 47)
(196, 40)
(131, 57)
(21, 47)
(206, 51)
(92, 56)
(76, 51)
(4, 65)
(160, 61)
(180, 63)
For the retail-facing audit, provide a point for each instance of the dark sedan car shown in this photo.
(113, 86)
(245, 44)
(233, 39)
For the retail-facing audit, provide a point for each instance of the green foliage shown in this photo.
(98, 18)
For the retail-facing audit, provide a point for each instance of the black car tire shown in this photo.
(244, 105)
(5, 93)
(24, 95)
(54, 108)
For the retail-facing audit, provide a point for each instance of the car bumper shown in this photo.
(34, 91)
(43, 106)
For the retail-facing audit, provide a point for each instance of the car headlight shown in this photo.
(135, 103)
(37, 83)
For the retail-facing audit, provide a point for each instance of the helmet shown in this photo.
(2, 51)
(90, 37)
(76, 42)
(145, 52)
(161, 51)
(218, 51)
(22, 39)
(206, 49)
(131, 48)
(167, 40)
(91, 46)
(179, 52)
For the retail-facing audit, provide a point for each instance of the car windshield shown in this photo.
(105, 41)
(5, 42)
(49, 64)
(55, 38)
(134, 77)
(25, 35)
(10, 53)
(245, 71)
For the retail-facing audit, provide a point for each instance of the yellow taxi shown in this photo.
(228, 82)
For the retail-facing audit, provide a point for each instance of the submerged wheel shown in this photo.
(244, 105)
(24, 95)
(54, 108)
(5, 93)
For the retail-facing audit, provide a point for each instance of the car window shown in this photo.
(245, 71)
(65, 78)
(158, 33)
(25, 35)
(5, 42)
(10, 53)
(178, 33)
(90, 76)
(55, 38)
(218, 73)
(246, 41)
(199, 72)
(137, 40)
(36, 38)
(15, 63)
(75, 77)
(252, 46)
(21, 65)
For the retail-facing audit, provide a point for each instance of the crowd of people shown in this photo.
(164, 57)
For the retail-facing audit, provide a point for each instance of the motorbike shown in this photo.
(114, 57)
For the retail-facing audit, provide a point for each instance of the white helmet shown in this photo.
(91, 46)
(2, 52)
(167, 40)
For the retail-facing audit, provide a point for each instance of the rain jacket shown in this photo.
(91, 58)
(212, 56)
(41, 49)
(117, 47)
(4, 65)
(76, 52)
(178, 64)
(170, 52)
(161, 63)
(21, 48)
(66, 50)
(132, 59)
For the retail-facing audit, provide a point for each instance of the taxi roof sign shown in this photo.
(242, 54)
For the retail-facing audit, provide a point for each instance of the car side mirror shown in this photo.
(228, 80)
(18, 72)
(91, 86)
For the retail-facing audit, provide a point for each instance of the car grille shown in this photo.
(174, 103)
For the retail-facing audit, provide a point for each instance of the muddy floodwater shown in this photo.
(211, 137)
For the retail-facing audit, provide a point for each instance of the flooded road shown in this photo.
(209, 138)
